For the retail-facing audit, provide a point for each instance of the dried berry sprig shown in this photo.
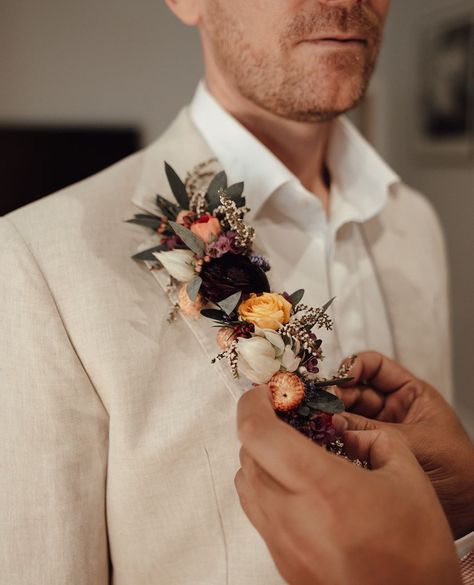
(198, 178)
(313, 316)
(173, 313)
(232, 217)
(232, 356)
(198, 203)
(343, 371)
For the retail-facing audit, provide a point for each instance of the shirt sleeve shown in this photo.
(465, 545)
(53, 436)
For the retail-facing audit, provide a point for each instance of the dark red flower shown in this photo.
(229, 274)
(204, 218)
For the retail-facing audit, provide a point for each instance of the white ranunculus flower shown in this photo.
(257, 359)
(178, 263)
(286, 354)
(273, 337)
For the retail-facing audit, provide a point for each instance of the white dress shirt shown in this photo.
(327, 256)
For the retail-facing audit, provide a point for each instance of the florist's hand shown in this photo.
(326, 521)
(384, 395)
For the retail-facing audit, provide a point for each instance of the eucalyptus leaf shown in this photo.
(194, 243)
(239, 201)
(214, 314)
(149, 221)
(326, 402)
(304, 410)
(148, 254)
(146, 216)
(296, 297)
(228, 305)
(235, 190)
(193, 288)
(334, 382)
(327, 305)
(218, 182)
(168, 208)
(177, 187)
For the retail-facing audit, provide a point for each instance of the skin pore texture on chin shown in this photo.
(275, 58)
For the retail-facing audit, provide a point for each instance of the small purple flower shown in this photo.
(261, 262)
(224, 243)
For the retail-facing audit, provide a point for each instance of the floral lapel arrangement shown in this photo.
(266, 337)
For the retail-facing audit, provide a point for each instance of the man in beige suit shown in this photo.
(118, 436)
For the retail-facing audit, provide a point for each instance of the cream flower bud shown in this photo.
(289, 360)
(178, 263)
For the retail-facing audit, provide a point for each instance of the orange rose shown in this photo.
(267, 311)
(207, 228)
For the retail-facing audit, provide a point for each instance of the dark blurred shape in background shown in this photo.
(38, 160)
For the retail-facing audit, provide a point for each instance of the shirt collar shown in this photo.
(360, 175)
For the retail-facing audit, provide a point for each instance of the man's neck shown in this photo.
(301, 146)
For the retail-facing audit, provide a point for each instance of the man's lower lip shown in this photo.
(336, 43)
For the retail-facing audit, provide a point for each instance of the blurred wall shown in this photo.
(102, 61)
(449, 185)
(132, 62)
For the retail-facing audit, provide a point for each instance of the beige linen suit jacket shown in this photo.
(118, 443)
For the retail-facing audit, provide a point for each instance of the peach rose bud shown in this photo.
(207, 228)
(187, 306)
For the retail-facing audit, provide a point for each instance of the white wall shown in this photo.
(95, 61)
(132, 62)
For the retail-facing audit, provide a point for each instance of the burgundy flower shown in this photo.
(312, 365)
(229, 274)
(318, 428)
(321, 429)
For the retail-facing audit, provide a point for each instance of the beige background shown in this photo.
(132, 62)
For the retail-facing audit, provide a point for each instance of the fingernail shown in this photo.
(340, 423)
